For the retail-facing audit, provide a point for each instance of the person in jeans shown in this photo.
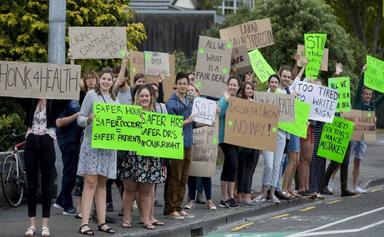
(68, 136)
(228, 174)
(175, 186)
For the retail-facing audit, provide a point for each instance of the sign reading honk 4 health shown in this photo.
(39, 80)
(323, 100)
(97, 42)
(250, 124)
(212, 65)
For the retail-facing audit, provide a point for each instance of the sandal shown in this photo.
(45, 231)
(149, 227)
(108, 230)
(158, 223)
(126, 224)
(286, 195)
(30, 231)
(211, 205)
(87, 231)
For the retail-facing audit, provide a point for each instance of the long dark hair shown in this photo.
(242, 89)
(105, 70)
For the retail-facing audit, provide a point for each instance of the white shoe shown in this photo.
(30, 231)
(359, 190)
(259, 198)
(331, 185)
(45, 231)
(274, 199)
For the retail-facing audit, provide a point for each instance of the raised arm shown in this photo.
(121, 79)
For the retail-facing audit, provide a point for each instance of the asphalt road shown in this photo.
(361, 215)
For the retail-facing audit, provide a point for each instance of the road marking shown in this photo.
(376, 190)
(307, 209)
(336, 222)
(333, 202)
(242, 226)
(357, 195)
(340, 231)
(281, 216)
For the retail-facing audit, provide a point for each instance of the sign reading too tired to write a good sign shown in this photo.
(39, 80)
(250, 124)
(97, 42)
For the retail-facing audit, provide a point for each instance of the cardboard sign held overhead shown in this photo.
(365, 126)
(322, 99)
(260, 66)
(39, 80)
(342, 85)
(250, 124)
(204, 110)
(97, 42)
(212, 66)
(374, 75)
(156, 63)
(240, 59)
(286, 104)
(253, 34)
(324, 61)
(204, 152)
(136, 64)
(314, 48)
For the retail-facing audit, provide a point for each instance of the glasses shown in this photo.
(182, 84)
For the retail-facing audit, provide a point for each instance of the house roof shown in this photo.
(151, 5)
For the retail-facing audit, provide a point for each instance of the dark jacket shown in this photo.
(359, 104)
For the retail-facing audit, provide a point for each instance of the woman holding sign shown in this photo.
(228, 174)
(141, 173)
(96, 165)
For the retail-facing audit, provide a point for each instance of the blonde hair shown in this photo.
(149, 87)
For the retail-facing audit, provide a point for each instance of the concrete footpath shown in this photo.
(13, 221)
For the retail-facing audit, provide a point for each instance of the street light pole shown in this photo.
(56, 35)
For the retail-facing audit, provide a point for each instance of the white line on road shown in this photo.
(300, 234)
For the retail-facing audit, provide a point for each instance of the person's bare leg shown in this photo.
(289, 171)
(100, 199)
(129, 194)
(90, 184)
(145, 191)
(224, 190)
(231, 189)
(355, 172)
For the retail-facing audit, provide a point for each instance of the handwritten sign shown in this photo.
(285, 103)
(299, 126)
(374, 75)
(240, 59)
(212, 66)
(250, 124)
(365, 125)
(98, 42)
(260, 66)
(323, 100)
(314, 48)
(39, 80)
(156, 63)
(334, 139)
(324, 60)
(136, 64)
(162, 136)
(204, 152)
(204, 110)
(253, 34)
(342, 85)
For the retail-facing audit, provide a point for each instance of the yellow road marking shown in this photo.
(307, 209)
(280, 216)
(358, 195)
(377, 189)
(335, 201)
(237, 228)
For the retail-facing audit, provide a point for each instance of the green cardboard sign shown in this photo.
(335, 138)
(299, 126)
(162, 136)
(314, 47)
(374, 74)
(116, 126)
(342, 84)
(260, 66)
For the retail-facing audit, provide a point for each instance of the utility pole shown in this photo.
(56, 36)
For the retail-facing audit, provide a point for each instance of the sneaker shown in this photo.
(58, 206)
(109, 207)
(331, 185)
(274, 199)
(359, 190)
(70, 212)
(232, 203)
(223, 203)
(326, 191)
(259, 198)
(190, 205)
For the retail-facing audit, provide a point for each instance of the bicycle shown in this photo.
(13, 176)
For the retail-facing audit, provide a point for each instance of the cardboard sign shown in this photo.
(285, 103)
(323, 100)
(250, 124)
(260, 66)
(204, 110)
(342, 85)
(253, 34)
(324, 60)
(240, 59)
(314, 48)
(204, 152)
(365, 126)
(136, 64)
(374, 75)
(97, 42)
(212, 66)
(39, 80)
(162, 136)
(169, 83)
(156, 63)
(299, 126)
(334, 139)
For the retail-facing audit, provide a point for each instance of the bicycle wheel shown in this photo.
(11, 181)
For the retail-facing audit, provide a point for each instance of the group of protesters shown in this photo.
(89, 173)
